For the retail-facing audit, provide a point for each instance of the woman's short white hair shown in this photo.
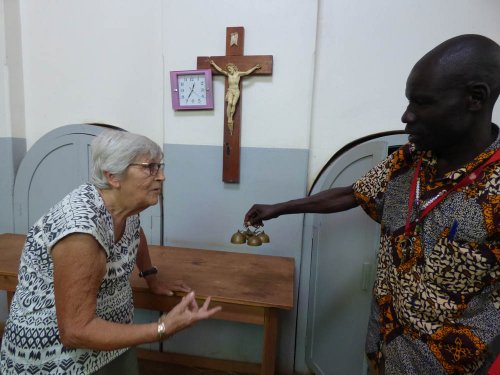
(114, 150)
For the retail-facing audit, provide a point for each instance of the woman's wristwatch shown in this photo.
(150, 271)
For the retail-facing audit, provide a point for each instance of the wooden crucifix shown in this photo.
(234, 66)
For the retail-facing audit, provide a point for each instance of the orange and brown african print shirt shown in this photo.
(436, 306)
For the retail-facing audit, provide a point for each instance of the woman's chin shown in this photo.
(150, 202)
(153, 201)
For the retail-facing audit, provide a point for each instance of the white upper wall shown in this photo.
(276, 109)
(93, 61)
(5, 129)
(12, 122)
(366, 50)
(340, 66)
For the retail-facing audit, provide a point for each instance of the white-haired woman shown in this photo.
(72, 311)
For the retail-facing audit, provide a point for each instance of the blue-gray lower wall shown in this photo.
(201, 211)
(12, 151)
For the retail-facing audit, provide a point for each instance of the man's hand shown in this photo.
(258, 213)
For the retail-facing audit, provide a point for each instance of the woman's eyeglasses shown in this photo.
(153, 168)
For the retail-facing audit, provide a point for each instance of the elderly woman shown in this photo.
(72, 311)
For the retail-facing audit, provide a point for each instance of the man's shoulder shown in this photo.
(401, 160)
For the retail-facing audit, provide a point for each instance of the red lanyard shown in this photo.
(464, 182)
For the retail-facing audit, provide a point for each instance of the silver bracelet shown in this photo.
(161, 329)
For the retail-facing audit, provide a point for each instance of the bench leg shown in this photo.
(270, 342)
(10, 295)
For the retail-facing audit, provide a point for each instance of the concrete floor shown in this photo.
(156, 368)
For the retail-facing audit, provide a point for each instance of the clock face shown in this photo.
(192, 89)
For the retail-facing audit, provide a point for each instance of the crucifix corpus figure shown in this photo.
(233, 90)
(234, 65)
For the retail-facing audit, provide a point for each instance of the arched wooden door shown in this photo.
(340, 259)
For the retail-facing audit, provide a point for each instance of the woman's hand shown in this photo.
(159, 287)
(186, 313)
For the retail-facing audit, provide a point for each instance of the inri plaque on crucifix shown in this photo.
(234, 66)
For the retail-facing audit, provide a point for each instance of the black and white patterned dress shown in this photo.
(31, 343)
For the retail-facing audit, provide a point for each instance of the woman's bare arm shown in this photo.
(79, 268)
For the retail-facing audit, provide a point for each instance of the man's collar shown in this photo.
(429, 160)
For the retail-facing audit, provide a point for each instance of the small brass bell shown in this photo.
(248, 233)
(264, 237)
(238, 238)
(254, 241)
(251, 237)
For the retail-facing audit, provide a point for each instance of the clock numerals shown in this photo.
(192, 89)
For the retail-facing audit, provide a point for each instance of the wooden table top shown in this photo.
(236, 278)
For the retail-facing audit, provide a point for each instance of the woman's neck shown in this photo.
(118, 210)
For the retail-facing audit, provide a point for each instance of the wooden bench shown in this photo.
(251, 289)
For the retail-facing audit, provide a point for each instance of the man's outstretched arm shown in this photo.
(328, 201)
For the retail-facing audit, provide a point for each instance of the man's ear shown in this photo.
(478, 95)
(113, 179)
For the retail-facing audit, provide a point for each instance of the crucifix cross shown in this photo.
(234, 66)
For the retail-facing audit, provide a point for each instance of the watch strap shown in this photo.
(150, 271)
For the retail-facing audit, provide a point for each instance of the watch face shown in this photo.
(192, 89)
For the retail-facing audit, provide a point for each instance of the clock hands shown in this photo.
(192, 88)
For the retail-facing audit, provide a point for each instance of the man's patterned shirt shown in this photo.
(436, 300)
